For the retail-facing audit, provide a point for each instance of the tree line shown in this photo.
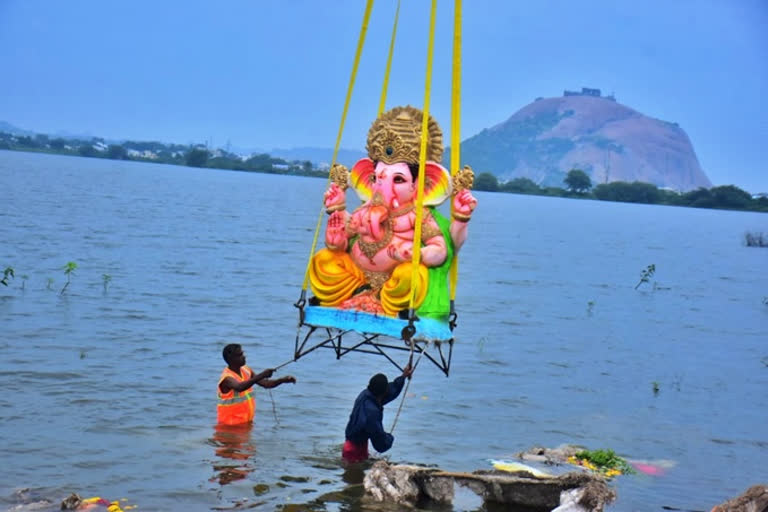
(578, 184)
(193, 155)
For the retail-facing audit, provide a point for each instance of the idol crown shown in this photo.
(396, 137)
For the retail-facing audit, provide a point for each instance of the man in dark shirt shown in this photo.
(365, 421)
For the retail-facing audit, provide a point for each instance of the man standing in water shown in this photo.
(365, 421)
(236, 402)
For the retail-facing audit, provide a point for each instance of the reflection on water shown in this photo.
(354, 473)
(232, 443)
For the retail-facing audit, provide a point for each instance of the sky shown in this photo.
(263, 74)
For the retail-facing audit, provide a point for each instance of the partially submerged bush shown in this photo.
(603, 461)
(755, 239)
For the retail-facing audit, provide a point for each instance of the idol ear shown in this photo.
(360, 177)
(437, 184)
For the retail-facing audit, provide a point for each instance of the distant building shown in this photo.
(141, 154)
(586, 91)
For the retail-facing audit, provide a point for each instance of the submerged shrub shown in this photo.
(755, 239)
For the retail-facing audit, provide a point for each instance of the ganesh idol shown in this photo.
(367, 262)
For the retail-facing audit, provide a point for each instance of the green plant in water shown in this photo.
(24, 278)
(105, 279)
(8, 272)
(755, 239)
(69, 269)
(590, 306)
(646, 275)
(605, 460)
(656, 387)
(49, 283)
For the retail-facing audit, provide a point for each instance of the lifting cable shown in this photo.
(405, 391)
(350, 87)
(455, 129)
(422, 164)
(385, 85)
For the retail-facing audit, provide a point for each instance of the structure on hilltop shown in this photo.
(586, 91)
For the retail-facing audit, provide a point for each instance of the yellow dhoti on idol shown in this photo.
(334, 278)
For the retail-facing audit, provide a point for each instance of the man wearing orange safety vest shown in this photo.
(236, 402)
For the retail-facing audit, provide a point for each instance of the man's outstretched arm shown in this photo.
(266, 383)
(396, 386)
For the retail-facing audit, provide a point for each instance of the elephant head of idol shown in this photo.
(387, 181)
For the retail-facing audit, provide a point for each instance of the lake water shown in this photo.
(112, 392)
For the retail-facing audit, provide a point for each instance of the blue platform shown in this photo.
(427, 329)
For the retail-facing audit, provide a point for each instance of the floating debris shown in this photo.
(75, 502)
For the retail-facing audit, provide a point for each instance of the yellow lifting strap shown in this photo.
(455, 126)
(350, 87)
(385, 85)
(422, 159)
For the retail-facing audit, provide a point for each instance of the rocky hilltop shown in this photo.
(584, 130)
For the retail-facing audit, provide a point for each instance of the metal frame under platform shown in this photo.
(345, 331)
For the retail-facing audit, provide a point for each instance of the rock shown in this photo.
(569, 501)
(592, 496)
(393, 483)
(552, 456)
(754, 499)
(71, 502)
(408, 485)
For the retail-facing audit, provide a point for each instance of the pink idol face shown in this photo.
(395, 184)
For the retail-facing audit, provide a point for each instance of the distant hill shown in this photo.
(609, 141)
(15, 130)
(7, 127)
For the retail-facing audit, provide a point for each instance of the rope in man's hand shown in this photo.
(274, 411)
(405, 391)
(271, 398)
